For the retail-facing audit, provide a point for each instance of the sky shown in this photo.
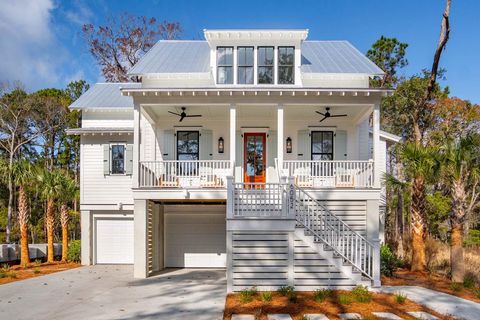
(41, 43)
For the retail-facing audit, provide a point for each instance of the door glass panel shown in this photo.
(259, 156)
(250, 168)
(254, 157)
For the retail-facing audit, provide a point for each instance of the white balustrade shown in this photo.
(185, 174)
(329, 173)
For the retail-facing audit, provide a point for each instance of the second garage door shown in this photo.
(114, 241)
(195, 239)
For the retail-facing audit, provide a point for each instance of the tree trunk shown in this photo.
(419, 226)
(64, 221)
(457, 220)
(50, 223)
(399, 224)
(23, 215)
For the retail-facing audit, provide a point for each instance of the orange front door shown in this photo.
(254, 164)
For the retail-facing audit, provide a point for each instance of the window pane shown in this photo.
(265, 56)
(265, 74)
(245, 56)
(285, 75)
(118, 156)
(224, 56)
(245, 75)
(286, 56)
(225, 75)
(327, 142)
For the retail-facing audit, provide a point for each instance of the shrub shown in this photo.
(12, 275)
(292, 297)
(344, 298)
(322, 294)
(476, 292)
(456, 286)
(400, 297)
(6, 267)
(388, 261)
(362, 294)
(36, 271)
(2, 274)
(246, 295)
(37, 262)
(74, 251)
(285, 290)
(267, 296)
(469, 281)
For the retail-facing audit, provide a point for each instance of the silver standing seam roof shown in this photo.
(186, 56)
(105, 96)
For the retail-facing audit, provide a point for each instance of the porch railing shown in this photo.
(185, 174)
(329, 173)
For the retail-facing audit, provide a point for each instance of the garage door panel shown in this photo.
(114, 241)
(195, 240)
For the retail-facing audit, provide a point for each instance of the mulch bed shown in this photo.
(330, 307)
(405, 277)
(17, 273)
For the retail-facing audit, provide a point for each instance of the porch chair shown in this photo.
(303, 177)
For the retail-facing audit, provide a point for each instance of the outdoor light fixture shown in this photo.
(220, 145)
(289, 145)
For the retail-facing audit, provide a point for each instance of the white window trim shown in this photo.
(124, 144)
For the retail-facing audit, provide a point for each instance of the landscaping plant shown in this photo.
(361, 294)
(285, 290)
(247, 294)
(74, 251)
(400, 297)
(321, 294)
(267, 296)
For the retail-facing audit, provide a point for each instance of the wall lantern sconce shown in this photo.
(289, 145)
(221, 145)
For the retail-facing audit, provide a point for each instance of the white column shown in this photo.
(137, 114)
(86, 237)
(140, 239)
(376, 146)
(233, 128)
(280, 135)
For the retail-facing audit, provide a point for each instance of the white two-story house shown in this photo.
(256, 151)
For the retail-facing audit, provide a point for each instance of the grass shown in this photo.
(247, 294)
(361, 294)
(456, 286)
(469, 281)
(266, 296)
(322, 294)
(344, 298)
(400, 297)
(286, 290)
(36, 271)
(37, 262)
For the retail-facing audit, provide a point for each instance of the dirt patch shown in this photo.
(331, 306)
(405, 277)
(17, 273)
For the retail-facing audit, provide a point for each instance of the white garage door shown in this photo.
(114, 241)
(195, 240)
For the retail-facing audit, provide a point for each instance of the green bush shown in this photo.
(473, 239)
(322, 294)
(286, 290)
(361, 294)
(388, 261)
(74, 251)
(246, 295)
(469, 281)
(267, 296)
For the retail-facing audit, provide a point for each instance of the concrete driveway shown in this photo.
(110, 292)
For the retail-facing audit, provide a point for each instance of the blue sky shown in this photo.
(41, 43)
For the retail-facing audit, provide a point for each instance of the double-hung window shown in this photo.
(225, 65)
(245, 65)
(118, 159)
(286, 64)
(265, 65)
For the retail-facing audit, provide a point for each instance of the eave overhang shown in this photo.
(100, 131)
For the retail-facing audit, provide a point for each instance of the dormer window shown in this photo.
(286, 64)
(245, 65)
(225, 65)
(265, 65)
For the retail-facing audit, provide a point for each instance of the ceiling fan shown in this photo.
(328, 115)
(184, 115)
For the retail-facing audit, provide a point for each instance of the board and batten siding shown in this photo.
(95, 186)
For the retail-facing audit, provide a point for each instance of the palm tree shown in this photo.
(50, 187)
(461, 172)
(23, 175)
(420, 166)
(69, 194)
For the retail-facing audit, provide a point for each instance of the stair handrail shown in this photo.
(364, 260)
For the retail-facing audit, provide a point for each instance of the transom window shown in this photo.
(225, 65)
(322, 145)
(265, 65)
(118, 159)
(286, 64)
(245, 65)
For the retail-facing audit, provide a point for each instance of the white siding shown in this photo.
(107, 119)
(95, 187)
(363, 136)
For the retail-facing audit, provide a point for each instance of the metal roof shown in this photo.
(180, 56)
(335, 57)
(83, 131)
(105, 95)
(175, 56)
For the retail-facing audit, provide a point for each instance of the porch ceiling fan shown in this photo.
(327, 114)
(184, 115)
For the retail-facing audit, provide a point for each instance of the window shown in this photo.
(188, 145)
(245, 65)
(118, 159)
(265, 65)
(322, 145)
(286, 64)
(225, 65)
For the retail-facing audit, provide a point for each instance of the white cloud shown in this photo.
(29, 50)
(80, 13)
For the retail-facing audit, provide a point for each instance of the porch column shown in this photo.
(137, 114)
(280, 134)
(376, 147)
(86, 236)
(233, 128)
(140, 239)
